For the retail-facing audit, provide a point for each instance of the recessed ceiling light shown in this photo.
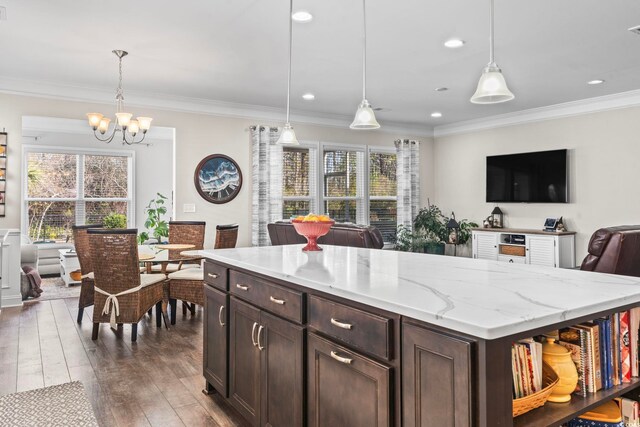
(436, 114)
(595, 82)
(302, 16)
(441, 89)
(454, 43)
(308, 97)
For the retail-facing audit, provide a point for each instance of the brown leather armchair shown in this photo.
(359, 236)
(614, 250)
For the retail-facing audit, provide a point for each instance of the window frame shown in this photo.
(80, 199)
(311, 198)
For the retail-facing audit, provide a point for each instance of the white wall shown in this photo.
(604, 171)
(153, 164)
(197, 136)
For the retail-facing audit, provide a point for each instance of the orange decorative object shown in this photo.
(312, 227)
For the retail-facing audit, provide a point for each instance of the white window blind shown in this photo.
(383, 190)
(299, 183)
(344, 184)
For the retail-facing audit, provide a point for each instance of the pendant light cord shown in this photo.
(290, 43)
(364, 51)
(491, 58)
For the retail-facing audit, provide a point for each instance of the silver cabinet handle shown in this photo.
(260, 347)
(242, 287)
(340, 324)
(276, 300)
(212, 275)
(511, 260)
(253, 334)
(341, 359)
(220, 316)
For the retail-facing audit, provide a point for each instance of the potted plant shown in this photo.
(430, 224)
(115, 220)
(155, 211)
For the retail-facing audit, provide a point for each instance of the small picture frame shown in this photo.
(550, 224)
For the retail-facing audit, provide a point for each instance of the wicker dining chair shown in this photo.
(187, 285)
(226, 236)
(122, 294)
(183, 232)
(83, 250)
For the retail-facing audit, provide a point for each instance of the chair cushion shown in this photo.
(171, 267)
(150, 279)
(188, 274)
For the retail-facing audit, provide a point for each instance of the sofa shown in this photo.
(360, 236)
(614, 250)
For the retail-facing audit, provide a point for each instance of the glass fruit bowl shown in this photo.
(312, 230)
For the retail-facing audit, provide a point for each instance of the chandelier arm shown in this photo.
(133, 139)
(108, 139)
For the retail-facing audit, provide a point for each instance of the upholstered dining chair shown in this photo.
(122, 294)
(187, 285)
(83, 250)
(183, 232)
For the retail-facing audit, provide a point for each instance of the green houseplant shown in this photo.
(115, 220)
(155, 211)
(431, 225)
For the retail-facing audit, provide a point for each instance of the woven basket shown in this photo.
(536, 400)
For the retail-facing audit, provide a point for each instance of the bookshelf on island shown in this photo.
(426, 339)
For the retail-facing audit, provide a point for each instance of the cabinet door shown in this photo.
(244, 360)
(215, 339)
(485, 246)
(436, 379)
(345, 388)
(282, 349)
(541, 251)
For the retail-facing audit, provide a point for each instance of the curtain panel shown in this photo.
(267, 182)
(408, 179)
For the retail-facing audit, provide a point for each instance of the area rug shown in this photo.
(54, 288)
(58, 405)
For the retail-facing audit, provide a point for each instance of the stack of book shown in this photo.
(526, 362)
(605, 350)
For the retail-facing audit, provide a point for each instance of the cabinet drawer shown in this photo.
(215, 275)
(512, 259)
(274, 298)
(366, 331)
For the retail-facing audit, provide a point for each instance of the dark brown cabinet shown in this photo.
(215, 339)
(346, 388)
(436, 379)
(265, 367)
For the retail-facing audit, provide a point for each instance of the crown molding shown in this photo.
(566, 109)
(51, 90)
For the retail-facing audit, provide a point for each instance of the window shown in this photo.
(338, 182)
(66, 187)
(383, 203)
(298, 183)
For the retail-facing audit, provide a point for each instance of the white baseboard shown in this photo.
(12, 301)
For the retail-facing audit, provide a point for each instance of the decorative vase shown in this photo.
(559, 358)
(312, 230)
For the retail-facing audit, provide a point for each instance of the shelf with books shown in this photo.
(554, 414)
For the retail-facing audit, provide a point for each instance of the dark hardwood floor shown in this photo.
(154, 382)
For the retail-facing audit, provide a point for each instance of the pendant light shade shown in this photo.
(492, 87)
(365, 117)
(287, 135)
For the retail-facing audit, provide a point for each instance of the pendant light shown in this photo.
(288, 136)
(365, 118)
(492, 88)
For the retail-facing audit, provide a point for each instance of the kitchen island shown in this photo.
(364, 337)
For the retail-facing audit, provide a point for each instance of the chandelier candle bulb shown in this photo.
(94, 120)
(134, 127)
(145, 123)
(104, 125)
(124, 119)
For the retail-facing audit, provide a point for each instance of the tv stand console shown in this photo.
(525, 246)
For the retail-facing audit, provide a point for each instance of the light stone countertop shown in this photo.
(486, 299)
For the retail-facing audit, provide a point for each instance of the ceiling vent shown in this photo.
(635, 30)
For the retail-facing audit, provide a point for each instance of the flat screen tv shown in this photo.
(539, 177)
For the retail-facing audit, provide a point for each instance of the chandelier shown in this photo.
(129, 127)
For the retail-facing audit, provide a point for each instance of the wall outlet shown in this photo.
(189, 208)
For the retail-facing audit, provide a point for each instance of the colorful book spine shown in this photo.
(625, 350)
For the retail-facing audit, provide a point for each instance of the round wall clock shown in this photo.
(218, 178)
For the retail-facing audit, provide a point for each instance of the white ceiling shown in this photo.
(236, 51)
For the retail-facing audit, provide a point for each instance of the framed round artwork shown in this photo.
(218, 178)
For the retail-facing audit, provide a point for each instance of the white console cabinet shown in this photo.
(518, 246)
